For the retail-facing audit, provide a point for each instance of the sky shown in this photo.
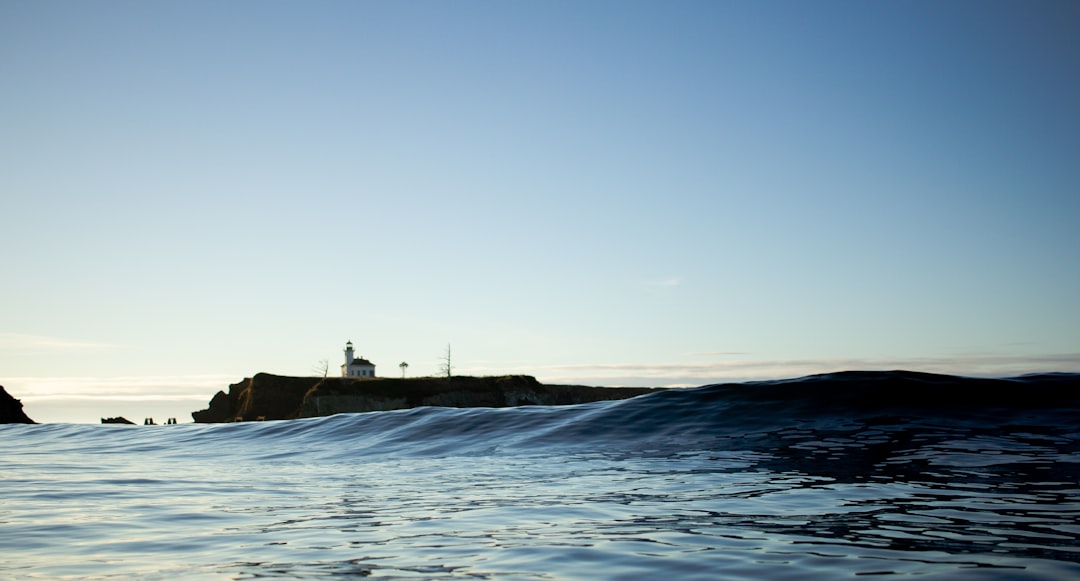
(601, 192)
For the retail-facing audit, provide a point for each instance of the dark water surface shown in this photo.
(883, 474)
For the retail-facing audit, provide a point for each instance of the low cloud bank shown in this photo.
(133, 388)
(706, 372)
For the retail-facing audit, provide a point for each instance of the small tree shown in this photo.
(403, 367)
(445, 367)
(321, 368)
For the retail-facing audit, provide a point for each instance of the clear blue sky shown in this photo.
(619, 193)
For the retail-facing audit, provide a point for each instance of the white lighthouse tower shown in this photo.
(356, 366)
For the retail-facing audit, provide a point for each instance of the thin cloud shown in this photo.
(143, 388)
(26, 341)
(119, 397)
(665, 282)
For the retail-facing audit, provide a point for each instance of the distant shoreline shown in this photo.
(273, 397)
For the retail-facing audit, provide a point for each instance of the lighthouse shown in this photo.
(356, 366)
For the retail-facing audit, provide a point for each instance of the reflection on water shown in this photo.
(956, 506)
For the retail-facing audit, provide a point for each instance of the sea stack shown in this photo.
(11, 411)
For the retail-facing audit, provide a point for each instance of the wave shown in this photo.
(761, 415)
(835, 475)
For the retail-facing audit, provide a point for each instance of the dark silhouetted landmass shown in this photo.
(274, 397)
(11, 411)
(117, 420)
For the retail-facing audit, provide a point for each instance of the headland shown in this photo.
(276, 397)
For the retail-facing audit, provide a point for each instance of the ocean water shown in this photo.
(884, 474)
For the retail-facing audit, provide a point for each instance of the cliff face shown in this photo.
(344, 395)
(264, 396)
(11, 411)
(274, 397)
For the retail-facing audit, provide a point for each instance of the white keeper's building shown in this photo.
(356, 366)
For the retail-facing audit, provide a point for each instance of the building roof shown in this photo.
(361, 361)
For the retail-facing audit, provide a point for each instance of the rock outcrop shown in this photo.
(11, 411)
(261, 397)
(117, 420)
(273, 397)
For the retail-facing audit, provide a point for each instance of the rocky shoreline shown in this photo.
(275, 397)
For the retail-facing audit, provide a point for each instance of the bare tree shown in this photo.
(445, 367)
(321, 368)
(403, 367)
